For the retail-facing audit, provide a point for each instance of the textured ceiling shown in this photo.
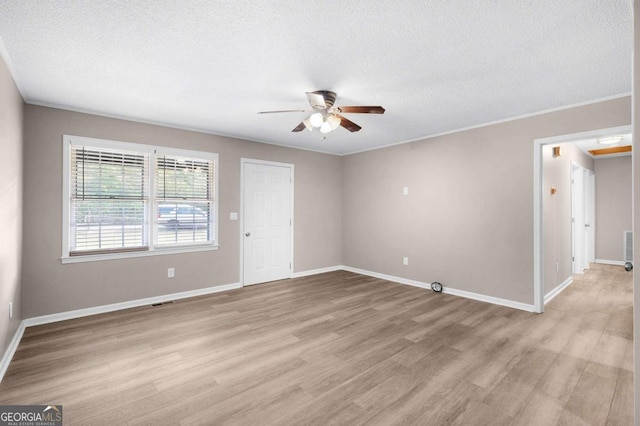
(435, 66)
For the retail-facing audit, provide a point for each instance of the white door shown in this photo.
(577, 219)
(583, 218)
(267, 222)
(589, 217)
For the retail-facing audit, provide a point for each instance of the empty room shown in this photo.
(286, 213)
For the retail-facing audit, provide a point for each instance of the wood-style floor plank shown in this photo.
(339, 348)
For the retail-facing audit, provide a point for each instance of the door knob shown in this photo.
(247, 234)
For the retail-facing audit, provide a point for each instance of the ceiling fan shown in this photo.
(326, 116)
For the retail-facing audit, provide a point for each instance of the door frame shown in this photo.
(244, 161)
(538, 249)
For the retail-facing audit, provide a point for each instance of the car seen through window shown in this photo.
(182, 216)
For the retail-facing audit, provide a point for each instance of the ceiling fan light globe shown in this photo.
(325, 127)
(334, 121)
(315, 119)
(307, 124)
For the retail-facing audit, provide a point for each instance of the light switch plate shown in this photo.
(233, 216)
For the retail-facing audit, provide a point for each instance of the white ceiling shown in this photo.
(435, 66)
(587, 145)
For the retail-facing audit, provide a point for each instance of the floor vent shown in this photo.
(628, 246)
(170, 302)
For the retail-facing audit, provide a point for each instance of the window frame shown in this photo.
(151, 228)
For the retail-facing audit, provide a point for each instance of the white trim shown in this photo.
(210, 132)
(317, 271)
(393, 278)
(489, 299)
(66, 191)
(159, 251)
(132, 147)
(79, 313)
(446, 290)
(241, 227)
(610, 262)
(538, 249)
(11, 349)
(244, 161)
(492, 123)
(556, 291)
(589, 134)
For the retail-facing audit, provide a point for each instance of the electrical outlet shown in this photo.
(171, 272)
(10, 310)
(405, 190)
(405, 260)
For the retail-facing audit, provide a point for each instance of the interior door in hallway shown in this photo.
(582, 218)
(589, 216)
(267, 222)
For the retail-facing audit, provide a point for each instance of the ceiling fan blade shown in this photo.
(285, 110)
(348, 124)
(362, 109)
(300, 127)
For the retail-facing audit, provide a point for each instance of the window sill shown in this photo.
(128, 255)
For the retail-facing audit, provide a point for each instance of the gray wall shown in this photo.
(556, 211)
(613, 206)
(467, 220)
(11, 110)
(51, 287)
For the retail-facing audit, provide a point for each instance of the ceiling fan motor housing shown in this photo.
(328, 97)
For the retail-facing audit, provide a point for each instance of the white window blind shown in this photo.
(109, 193)
(184, 200)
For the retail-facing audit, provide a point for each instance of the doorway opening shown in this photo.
(541, 295)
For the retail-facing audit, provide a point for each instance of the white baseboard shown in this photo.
(489, 299)
(556, 291)
(393, 278)
(11, 349)
(317, 271)
(610, 262)
(446, 290)
(46, 319)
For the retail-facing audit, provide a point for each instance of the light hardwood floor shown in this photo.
(339, 348)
